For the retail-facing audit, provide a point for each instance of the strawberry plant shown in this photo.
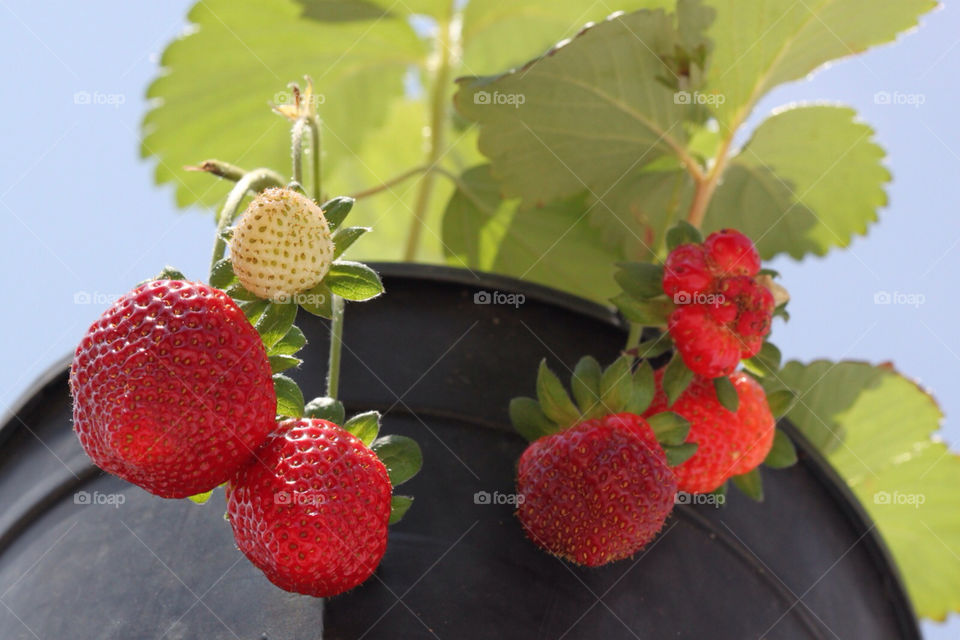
(605, 155)
(178, 388)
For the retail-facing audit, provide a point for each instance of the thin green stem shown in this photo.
(447, 44)
(220, 169)
(252, 181)
(633, 337)
(314, 125)
(392, 182)
(336, 344)
(296, 150)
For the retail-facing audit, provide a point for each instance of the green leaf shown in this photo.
(292, 342)
(317, 301)
(671, 429)
(554, 400)
(324, 408)
(678, 454)
(766, 362)
(221, 275)
(353, 281)
(201, 498)
(399, 505)
(783, 454)
(683, 233)
(365, 426)
(726, 393)
(552, 245)
(676, 378)
(289, 396)
(280, 363)
(654, 347)
(335, 211)
(585, 384)
(543, 148)
(640, 279)
(781, 401)
(231, 64)
(254, 310)
(167, 273)
(276, 321)
(400, 455)
(647, 313)
(808, 180)
(644, 389)
(616, 386)
(750, 484)
(529, 419)
(344, 237)
(781, 41)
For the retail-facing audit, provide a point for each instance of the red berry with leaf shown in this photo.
(312, 509)
(729, 443)
(172, 388)
(596, 492)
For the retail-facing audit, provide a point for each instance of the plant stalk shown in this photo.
(336, 344)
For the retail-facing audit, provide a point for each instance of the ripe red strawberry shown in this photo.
(311, 511)
(172, 388)
(722, 314)
(596, 492)
(730, 444)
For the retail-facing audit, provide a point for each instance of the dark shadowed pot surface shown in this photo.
(86, 556)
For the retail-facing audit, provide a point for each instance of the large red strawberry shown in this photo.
(311, 510)
(729, 443)
(596, 492)
(722, 313)
(172, 388)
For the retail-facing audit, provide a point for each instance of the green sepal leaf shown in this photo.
(201, 498)
(280, 363)
(289, 344)
(641, 280)
(781, 401)
(222, 275)
(678, 454)
(654, 347)
(529, 419)
(353, 281)
(289, 396)
(275, 322)
(399, 505)
(554, 400)
(324, 408)
(400, 455)
(676, 378)
(616, 386)
(240, 294)
(648, 313)
(766, 361)
(644, 388)
(317, 301)
(750, 484)
(585, 384)
(253, 310)
(783, 453)
(167, 273)
(671, 429)
(726, 393)
(365, 426)
(773, 273)
(683, 233)
(344, 237)
(336, 209)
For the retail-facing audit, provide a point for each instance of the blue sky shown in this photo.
(80, 218)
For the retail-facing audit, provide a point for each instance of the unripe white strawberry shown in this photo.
(282, 245)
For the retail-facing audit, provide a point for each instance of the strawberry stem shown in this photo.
(336, 342)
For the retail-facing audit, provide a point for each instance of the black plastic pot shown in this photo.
(75, 564)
